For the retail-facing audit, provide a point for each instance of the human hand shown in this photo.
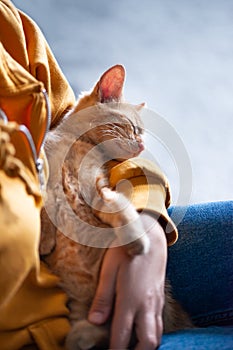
(137, 286)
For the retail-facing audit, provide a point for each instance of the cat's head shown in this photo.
(120, 121)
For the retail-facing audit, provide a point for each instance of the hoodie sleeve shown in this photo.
(25, 43)
(148, 190)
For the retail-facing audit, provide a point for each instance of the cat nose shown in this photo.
(141, 146)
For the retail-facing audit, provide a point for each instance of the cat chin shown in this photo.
(124, 155)
(133, 155)
(130, 154)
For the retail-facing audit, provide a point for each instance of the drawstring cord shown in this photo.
(49, 114)
(3, 116)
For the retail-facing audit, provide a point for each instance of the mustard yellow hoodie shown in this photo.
(33, 312)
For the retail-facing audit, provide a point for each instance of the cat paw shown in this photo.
(84, 336)
(108, 206)
(102, 183)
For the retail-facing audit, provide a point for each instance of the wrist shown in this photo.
(154, 230)
(151, 221)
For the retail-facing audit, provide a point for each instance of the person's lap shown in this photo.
(210, 338)
(201, 273)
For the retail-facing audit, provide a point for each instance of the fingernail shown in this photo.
(96, 317)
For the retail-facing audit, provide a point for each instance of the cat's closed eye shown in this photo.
(137, 130)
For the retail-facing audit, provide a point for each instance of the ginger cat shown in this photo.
(87, 215)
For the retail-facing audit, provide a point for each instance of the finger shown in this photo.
(159, 329)
(146, 331)
(103, 301)
(121, 329)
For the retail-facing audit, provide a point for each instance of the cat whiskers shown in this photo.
(115, 131)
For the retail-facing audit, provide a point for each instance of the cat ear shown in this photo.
(111, 83)
(140, 106)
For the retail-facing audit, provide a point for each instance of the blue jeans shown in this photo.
(200, 268)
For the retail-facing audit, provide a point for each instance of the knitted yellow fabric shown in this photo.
(147, 188)
(30, 301)
(25, 43)
(33, 309)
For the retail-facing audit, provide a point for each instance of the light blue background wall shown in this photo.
(179, 59)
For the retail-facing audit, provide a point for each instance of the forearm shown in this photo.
(158, 242)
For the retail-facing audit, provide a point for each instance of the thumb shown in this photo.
(104, 297)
